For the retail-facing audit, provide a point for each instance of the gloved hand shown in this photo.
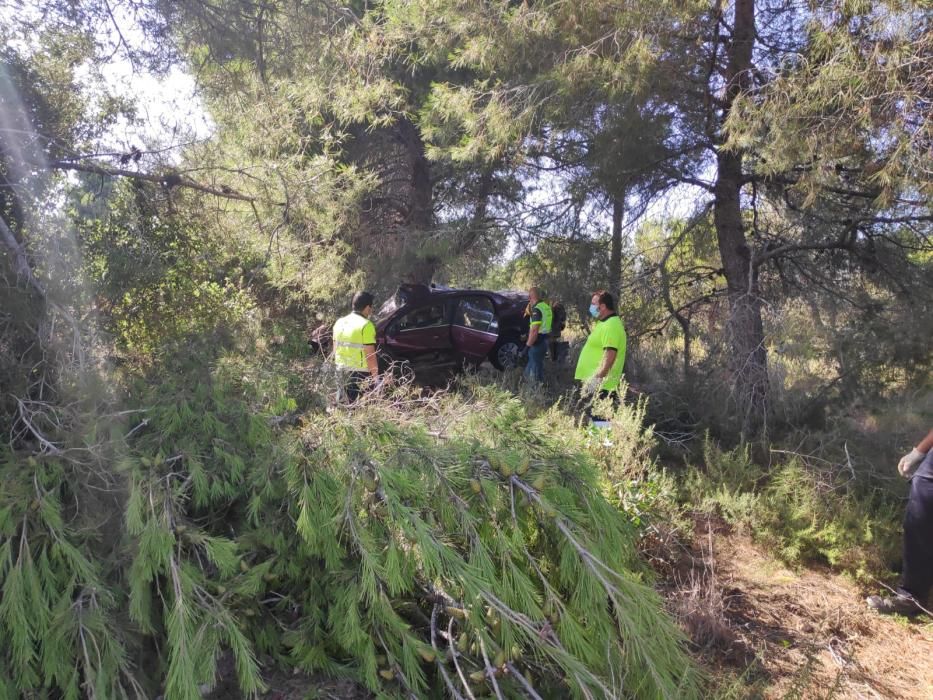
(592, 385)
(910, 462)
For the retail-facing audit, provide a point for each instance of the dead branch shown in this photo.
(20, 257)
(166, 179)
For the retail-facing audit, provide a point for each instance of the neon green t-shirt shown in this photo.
(608, 333)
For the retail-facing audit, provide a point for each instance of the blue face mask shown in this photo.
(594, 311)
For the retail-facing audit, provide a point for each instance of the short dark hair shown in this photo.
(361, 300)
(605, 298)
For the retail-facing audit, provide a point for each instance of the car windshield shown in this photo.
(387, 309)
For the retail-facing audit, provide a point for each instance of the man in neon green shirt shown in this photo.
(355, 346)
(599, 367)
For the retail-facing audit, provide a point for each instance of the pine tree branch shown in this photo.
(48, 447)
(545, 633)
(168, 179)
(521, 679)
(843, 242)
(398, 670)
(596, 565)
(490, 669)
(453, 647)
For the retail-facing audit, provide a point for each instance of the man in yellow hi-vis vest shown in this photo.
(355, 346)
(539, 330)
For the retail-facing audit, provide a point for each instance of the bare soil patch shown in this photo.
(774, 632)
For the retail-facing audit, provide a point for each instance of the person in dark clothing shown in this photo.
(917, 572)
(558, 347)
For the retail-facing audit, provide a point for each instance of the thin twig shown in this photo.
(490, 669)
(521, 679)
(900, 595)
(453, 647)
(437, 655)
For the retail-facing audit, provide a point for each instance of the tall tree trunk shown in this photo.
(478, 223)
(684, 321)
(745, 329)
(421, 218)
(615, 245)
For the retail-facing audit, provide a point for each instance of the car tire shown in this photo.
(505, 355)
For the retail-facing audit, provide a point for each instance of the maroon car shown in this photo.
(433, 327)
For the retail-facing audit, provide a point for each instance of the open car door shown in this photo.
(421, 333)
(475, 327)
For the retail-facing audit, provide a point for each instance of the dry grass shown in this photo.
(704, 606)
(794, 634)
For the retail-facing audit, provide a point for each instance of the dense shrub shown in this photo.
(806, 511)
(415, 544)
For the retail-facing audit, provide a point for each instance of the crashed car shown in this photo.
(431, 327)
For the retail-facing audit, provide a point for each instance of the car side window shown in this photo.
(476, 313)
(423, 317)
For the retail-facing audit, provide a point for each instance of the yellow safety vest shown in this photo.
(352, 334)
(547, 317)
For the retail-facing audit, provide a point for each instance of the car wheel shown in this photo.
(505, 355)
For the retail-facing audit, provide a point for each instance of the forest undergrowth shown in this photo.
(421, 542)
(207, 511)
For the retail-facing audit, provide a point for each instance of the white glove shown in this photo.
(592, 385)
(910, 462)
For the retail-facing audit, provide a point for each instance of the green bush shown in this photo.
(804, 513)
(814, 517)
(727, 483)
(159, 278)
(414, 544)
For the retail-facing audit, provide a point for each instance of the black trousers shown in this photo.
(917, 574)
(354, 385)
(584, 404)
(557, 348)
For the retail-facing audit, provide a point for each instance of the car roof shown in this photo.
(416, 293)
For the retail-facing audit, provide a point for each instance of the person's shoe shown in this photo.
(893, 605)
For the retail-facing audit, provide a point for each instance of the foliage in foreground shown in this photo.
(479, 556)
